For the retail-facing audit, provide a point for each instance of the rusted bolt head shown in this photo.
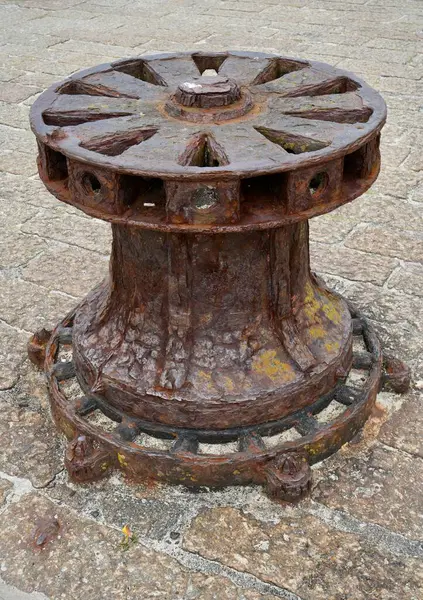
(396, 376)
(208, 92)
(36, 347)
(288, 477)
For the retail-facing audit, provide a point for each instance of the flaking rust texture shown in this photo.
(211, 327)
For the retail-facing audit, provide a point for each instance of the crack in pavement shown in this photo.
(387, 540)
(408, 453)
(198, 563)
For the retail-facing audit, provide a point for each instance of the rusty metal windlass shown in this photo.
(212, 353)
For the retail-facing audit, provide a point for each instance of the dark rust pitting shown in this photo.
(211, 327)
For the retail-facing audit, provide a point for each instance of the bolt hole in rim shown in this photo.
(205, 199)
(318, 183)
(91, 184)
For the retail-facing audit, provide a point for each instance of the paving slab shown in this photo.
(52, 550)
(305, 555)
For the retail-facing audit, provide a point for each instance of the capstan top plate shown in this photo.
(138, 116)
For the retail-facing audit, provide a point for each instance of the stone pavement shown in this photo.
(357, 538)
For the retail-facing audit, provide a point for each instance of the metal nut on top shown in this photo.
(208, 92)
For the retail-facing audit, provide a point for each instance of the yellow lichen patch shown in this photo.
(205, 379)
(332, 312)
(332, 347)
(122, 460)
(129, 537)
(268, 364)
(311, 304)
(317, 332)
(228, 384)
(316, 301)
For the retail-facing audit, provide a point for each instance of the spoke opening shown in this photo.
(335, 114)
(277, 67)
(339, 85)
(265, 192)
(140, 69)
(79, 86)
(54, 163)
(116, 143)
(294, 144)
(203, 151)
(78, 117)
(205, 62)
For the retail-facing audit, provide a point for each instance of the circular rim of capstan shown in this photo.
(272, 135)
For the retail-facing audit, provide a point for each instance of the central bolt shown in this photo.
(208, 92)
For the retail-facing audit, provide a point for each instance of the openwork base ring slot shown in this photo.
(276, 455)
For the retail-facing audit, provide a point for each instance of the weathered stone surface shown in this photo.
(59, 268)
(38, 79)
(149, 510)
(14, 115)
(95, 49)
(18, 138)
(31, 307)
(387, 306)
(30, 192)
(381, 209)
(17, 248)
(86, 560)
(408, 279)
(30, 445)
(12, 348)
(417, 193)
(305, 556)
(397, 319)
(30, 389)
(12, 92)
(379, 485)
(10, 592)
(397, 183)
(415, 161)
(404, 429)
(351, 264)
(388, 242)
(16, 214)
(332, 228)
(20, 163)
(5, 487)
(56, 224)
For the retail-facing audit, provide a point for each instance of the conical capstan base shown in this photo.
(211, 331)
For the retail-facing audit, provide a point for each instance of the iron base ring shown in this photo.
(276, 455)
